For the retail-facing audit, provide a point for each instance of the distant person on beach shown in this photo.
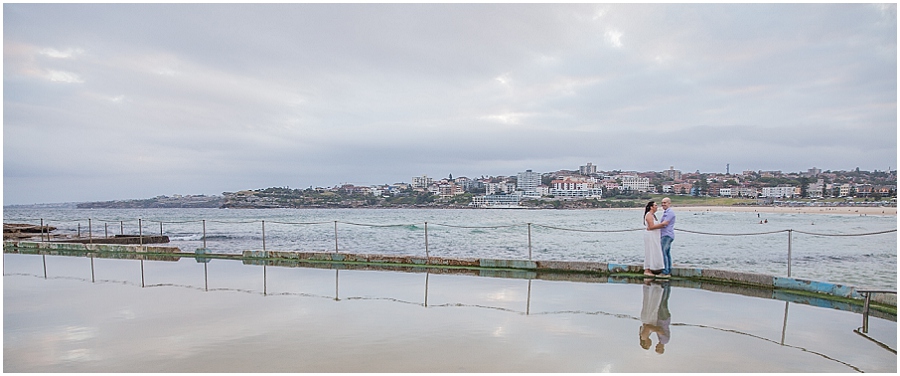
(653, 257)
(667, 235)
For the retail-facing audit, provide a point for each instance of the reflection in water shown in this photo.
(655, 317)
(567, 302)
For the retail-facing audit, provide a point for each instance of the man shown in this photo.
(667, 235)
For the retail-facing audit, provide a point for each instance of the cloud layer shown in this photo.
(111, 101)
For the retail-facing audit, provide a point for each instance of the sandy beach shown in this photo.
(844, 210)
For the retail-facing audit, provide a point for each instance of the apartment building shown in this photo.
(778, 192)
(528, 182)
(588, 169)
(672, 173)
(502, 187)
(634, 183)
(421, 182)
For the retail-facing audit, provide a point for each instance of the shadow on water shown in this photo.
(705, 308)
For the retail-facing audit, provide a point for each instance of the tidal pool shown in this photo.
(81, 314)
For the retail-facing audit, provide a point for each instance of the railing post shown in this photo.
(264, 234)
(790, 235)
(335, 238)
(141, 240)
(529, 243)
(865, 326)
(42, 230)
(105, 230)
(204, 234)
(90, 232)
(426, 240)
(160, 229)
(79, 230)
(121, 227)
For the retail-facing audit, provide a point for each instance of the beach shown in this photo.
(844, 210)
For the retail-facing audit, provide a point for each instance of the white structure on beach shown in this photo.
(496, 201)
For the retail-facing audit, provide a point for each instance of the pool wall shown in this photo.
(782, 288)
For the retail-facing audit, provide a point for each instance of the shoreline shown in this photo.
(841, 210)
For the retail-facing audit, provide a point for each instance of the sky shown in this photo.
(122, 101)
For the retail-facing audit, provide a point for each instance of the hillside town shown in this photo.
(534, 189)
(584, 187)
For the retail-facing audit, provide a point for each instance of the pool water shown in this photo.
(79, 314)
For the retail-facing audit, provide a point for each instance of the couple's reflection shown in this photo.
(655, 317)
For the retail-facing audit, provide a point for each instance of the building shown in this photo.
(813, 172)
(421, 182)
(634, 183)
(576, 188)
(502, 187)
(464, 183)
(577, 193)
(496, 201)
(814, 190)
(572, 184)
(682, 188)
(528, 182)
(672, 173)
(844, 190)
(782, 191)
(588, 169)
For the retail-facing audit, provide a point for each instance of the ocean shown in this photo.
(823, 247)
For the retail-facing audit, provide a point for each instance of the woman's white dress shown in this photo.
(653, 257)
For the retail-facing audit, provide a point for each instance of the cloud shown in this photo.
(65, 77)
(64, 54)
(614, 37)
(238, 96)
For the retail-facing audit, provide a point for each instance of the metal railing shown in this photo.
(529, 225)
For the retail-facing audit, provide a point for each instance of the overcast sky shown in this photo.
(107, 101)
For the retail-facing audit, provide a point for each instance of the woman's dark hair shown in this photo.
(647, 208)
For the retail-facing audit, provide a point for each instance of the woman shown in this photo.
(653, 257)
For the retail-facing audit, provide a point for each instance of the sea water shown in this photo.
(823, 247)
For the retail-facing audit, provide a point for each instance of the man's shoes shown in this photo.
(663, 276)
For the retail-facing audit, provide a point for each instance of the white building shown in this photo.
(503, 187)
(845, 190)
(814, 190)
(577, 193)
(496, 201)
(464, 183)
(421, 182)
(635, 183)
(778, 192)
(528, 182)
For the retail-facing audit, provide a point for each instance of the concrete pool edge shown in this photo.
(782, 288)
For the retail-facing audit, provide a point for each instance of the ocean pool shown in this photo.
(80, 314)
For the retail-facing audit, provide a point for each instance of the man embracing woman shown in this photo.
(658, 240)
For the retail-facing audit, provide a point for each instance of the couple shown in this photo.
(658, 239)
(655, 316)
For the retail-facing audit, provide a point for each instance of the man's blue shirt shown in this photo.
(669, 230)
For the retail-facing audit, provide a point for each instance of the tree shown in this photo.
(804, 186)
